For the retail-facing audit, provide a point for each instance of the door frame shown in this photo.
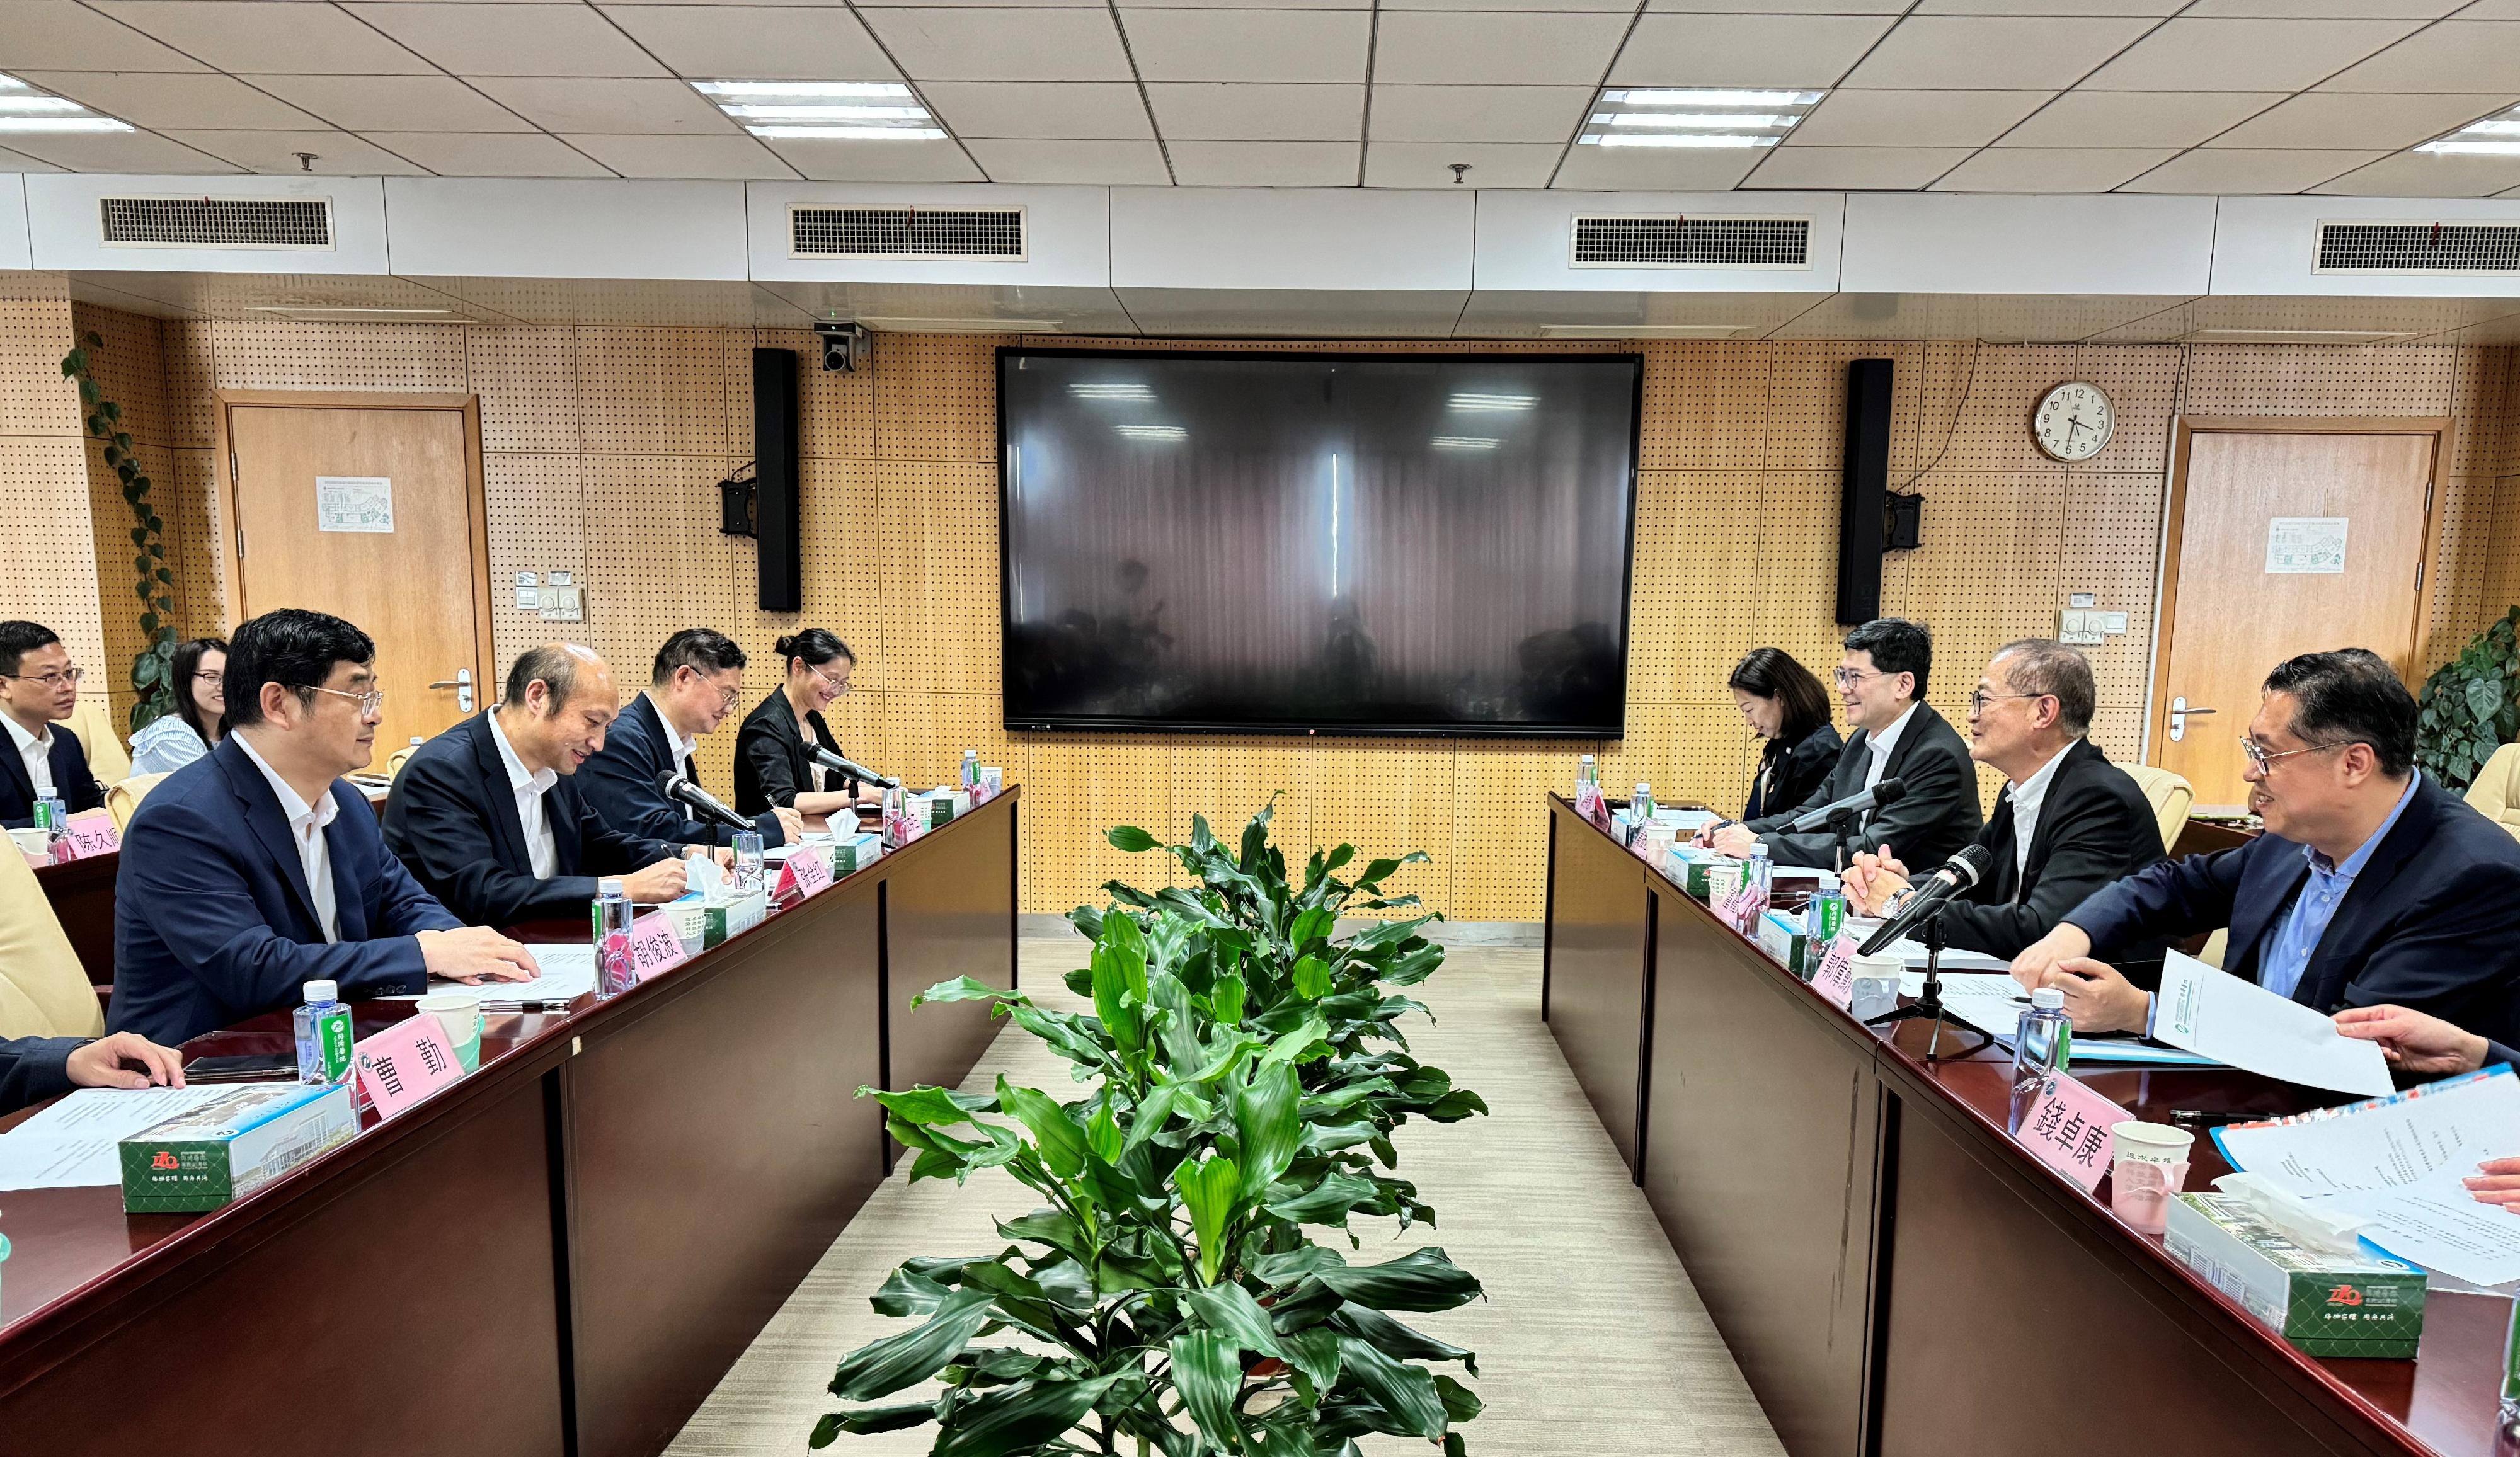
(476, 503)
(2175, 519)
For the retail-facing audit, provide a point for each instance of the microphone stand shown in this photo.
(1929, 1003)
(1842, 824)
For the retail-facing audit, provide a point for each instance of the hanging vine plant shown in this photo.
(152, 669)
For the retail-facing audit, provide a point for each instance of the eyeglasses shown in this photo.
(1846, 678)
(2260, 758)
(54, 681)
(840, 686)
(208, 677)
(1978, 700)
(371, 703)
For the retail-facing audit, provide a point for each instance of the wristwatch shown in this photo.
(1898, 902)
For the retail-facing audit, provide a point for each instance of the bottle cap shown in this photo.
(1644, 789)
(609, 887)
(315, 992)
(1759, 849)
(2048, 998)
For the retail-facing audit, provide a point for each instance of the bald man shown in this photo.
(487, 814)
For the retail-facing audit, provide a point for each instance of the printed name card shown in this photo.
(1742, 907)
(2067, 1126)
(91, 832)
(655, 947)
(405, 1063)
(808, 874)
(1835, 978)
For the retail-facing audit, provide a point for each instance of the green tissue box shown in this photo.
(2325, 1305)
(1786, 938)
(224, 1150)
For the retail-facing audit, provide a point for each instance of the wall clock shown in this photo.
(2073, 422)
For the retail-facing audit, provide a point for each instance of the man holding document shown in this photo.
(2370, 885)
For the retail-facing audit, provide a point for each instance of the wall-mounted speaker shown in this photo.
(1864, 490)
(778, 518)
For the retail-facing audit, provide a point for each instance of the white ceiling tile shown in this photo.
(1779, 7)
(1080, 110)
(1653, 169)
(1855, 169)
(1915, 118)
(405, 103)
(491, 153)
(267, 35)
(1621, 7)
(877, 161)
(755, 42)
(586, 104)
(2452, 56)
(2423, 174)
(2244, 55)
(512, 40)
(2492, 10)
(1994, 53)
(1492, 165)
(19, 161)
(735, 157)
(2131, 119)
(1264, 163)
(1114, 163)
(156, 99)
(990, 4)
(2051, 169)
(64, 35)
(121, 151)
(1479, 113)
(2234, 169)
(1249, 45)
(335, 153)
(2338, 10)
(1497, 48)
(2153, 7)
(1207, 112)
(1727, 50)
(2347, 120)
(937, 44)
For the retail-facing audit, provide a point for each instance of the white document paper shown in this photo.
(1954, 959)
(2217, 1015)
(2305, 546)
(567, 972)
(2437, 1223)
(1993, 1003)
(354, 502)
(75, 1143)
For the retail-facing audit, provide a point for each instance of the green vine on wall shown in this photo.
(153, 670)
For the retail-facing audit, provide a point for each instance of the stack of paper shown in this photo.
(567, 973)
(75, 1143)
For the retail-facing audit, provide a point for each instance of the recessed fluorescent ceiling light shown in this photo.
(1153, 432)
(1464, 442)
(1493, 403)
(1696, 117)
(23, 109)
(1112, 390)
(2494, 136)
(847, 110)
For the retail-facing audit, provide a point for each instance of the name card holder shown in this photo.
(2067, 1126)
(89, 833)
(806, 874)
(404, 1064)
(1835, 978)
(656, 947)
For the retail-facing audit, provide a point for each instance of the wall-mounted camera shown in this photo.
(847, 348)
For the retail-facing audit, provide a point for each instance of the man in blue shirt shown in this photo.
(2371, 883)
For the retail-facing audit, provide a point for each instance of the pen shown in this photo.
(2206, 1118)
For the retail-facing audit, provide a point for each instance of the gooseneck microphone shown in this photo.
(673, 785)
(1881, 796)
(858, 772)
(1956, 874)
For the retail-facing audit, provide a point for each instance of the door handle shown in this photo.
(462, 683)
(2179, 714)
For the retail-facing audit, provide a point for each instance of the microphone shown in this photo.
(1881, 796)
(673, 785)
(859, 771)
(1957, 875)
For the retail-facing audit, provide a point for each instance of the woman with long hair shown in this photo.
(173, 740)
(1787, 707)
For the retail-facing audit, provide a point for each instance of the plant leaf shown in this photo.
(1422, 1280)
(1230, 1308)
(885, 1366)
(1207, 1370)
(1053, 1129)
(1129, 838)
(1208, 1188)
(868, 1419)
(1266, 1120)
(1406, 1391)
(1020, 1418)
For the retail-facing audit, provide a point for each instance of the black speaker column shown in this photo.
(778, 513)
(1865, 479)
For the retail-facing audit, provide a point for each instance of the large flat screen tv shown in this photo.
(1338, 542)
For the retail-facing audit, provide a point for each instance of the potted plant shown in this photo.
(2470, 706)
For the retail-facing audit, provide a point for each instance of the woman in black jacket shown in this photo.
(1787, 707)
(772, 766)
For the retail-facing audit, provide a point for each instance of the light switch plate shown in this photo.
(2113, 622)
(528, 595)
(2082, 599)
(564, 603)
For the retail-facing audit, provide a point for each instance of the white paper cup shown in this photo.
(460, 1013)
(31, 841)
(2151, 1143)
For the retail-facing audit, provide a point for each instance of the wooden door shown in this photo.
(370, 509)
(2286, 537)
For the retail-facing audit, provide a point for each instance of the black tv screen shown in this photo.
(1348, 542)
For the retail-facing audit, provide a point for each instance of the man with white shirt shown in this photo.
(38, 688)
(694, 683)
(2066, 824)
(254, 870)
(489, 817)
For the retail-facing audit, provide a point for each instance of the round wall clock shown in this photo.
(2073, 422)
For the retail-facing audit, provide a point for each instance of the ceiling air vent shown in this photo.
(1674, 242)
(217, 222)
(908, 232)
(2419, 247)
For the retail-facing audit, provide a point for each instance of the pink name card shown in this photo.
(808, 874)
(1834, 980)
(91, 832)
(2067, 1126)
(655, 948)
(405, 1063)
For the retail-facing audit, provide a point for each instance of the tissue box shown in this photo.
(221, 1151)
(2325, 1305)
(1689, 864)
(720, 920)
(851, 853)
(1785, 937)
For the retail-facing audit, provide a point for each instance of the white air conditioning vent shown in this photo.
(1604, 241)
(2419, 247)
(297, 223)
(933, 233)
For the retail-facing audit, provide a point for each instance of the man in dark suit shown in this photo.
(250, 872)
(2370, 885)
(2066, 824)
(697, 682)
(33, 1069)
(1882, 681)
(38, 690)
(489, 815)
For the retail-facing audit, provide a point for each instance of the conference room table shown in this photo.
(1897, 1276)
(563, 1252)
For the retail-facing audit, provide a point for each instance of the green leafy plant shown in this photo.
(153, 670)
(1246, 1073)
(2471, 705)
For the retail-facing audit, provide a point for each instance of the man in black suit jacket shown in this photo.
(42, 759)
(697, 682)
(2371, 883)
(488, 815)
(1881, 680)
(2066, 824)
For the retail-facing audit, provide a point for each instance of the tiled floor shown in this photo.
(1591, 1340)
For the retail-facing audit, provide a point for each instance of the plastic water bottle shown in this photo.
(323, 1028)
(614, 970)
(1640, 806)
(2042, 1044)
(747, 876)
(1759, 876)
(971, 768)
(1588, 770)
(53, 817)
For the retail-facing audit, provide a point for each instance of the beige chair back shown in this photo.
(93, 722)
(2495, 792)
(2170, 796)
(396, 761)
(124, 799)
(44, 992)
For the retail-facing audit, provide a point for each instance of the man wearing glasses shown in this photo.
(696, 680)
(2371, 883)
(38, 690)
(254, 870)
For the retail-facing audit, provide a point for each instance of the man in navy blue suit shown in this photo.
(33, 1069)
(697, 682)
(38, 688)
(254, 870)
(2371, 883)
(488, 815)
